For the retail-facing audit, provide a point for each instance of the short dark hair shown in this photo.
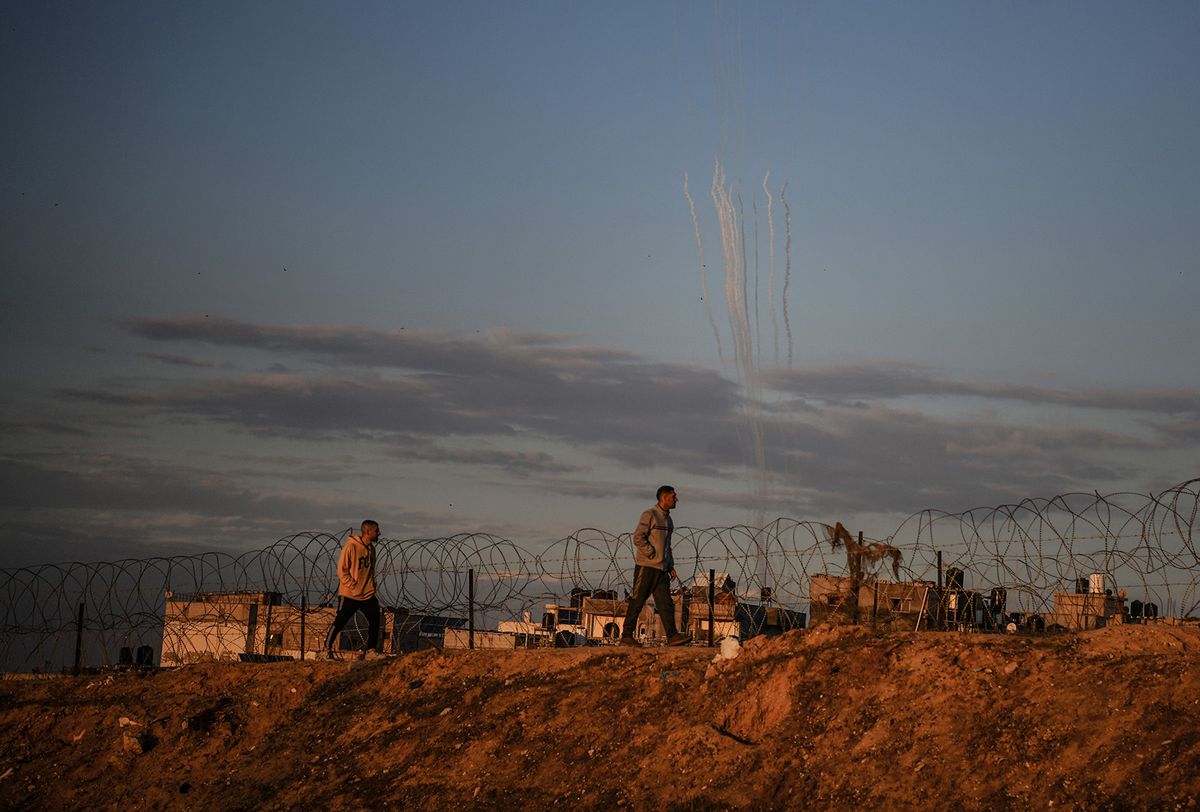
(663, 489)
(368, 523)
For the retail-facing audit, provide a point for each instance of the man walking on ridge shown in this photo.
(654, 568)
(356, 588)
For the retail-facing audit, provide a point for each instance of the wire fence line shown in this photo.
(1144, 545)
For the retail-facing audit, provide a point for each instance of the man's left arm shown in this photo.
(641, 536)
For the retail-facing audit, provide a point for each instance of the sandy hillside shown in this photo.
(822, 719)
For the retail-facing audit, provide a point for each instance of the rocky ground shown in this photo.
(819, 719)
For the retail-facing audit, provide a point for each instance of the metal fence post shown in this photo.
(78, 641)
(471, 609)
(267, 631)
(941, 604)
(712, 597)
(303, 609)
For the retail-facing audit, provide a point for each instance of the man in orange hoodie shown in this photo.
(356, 587)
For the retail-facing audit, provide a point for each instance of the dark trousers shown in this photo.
(346, 609)
(648, 581)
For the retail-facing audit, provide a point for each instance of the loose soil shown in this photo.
(821, 719)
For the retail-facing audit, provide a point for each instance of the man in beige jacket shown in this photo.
(356, 587)
(654, 568)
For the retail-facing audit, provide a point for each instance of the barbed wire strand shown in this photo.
(1142, 544)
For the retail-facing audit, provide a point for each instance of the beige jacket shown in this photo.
(652, 540)
(356, 569)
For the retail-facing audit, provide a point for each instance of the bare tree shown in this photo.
(858, 554)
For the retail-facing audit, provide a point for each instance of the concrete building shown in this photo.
(526, 632)
(462, 638)
(1077, 612)
(230, 626)
(878, 603)
(602, 618)
(923, 604)
(732, 617)
(597, 617)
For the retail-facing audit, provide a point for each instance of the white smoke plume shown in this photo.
(771, 261)
(787, 277)
(747, 372)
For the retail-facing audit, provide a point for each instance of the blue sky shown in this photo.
(274, 267)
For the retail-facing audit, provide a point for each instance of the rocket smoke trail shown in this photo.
(771, 254)
(735, 309)
(703, 279)
(757, 321)
(742, 266)
(733, 246)
(744, 325)
(787, 277)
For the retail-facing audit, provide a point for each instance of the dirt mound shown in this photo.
(822, 719)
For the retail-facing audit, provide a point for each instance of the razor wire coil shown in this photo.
(1143, 545)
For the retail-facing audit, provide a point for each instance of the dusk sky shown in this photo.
(277, 267)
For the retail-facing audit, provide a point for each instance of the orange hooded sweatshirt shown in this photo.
(356, 569)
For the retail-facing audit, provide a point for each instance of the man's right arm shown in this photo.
(346, 565)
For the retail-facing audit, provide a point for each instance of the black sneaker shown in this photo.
(679, 639)
(629, 641)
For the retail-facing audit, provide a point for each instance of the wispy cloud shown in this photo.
(546, 414)
(895, 380)
(517, 463)
(635, 410)
(498, 353)
(435, 385)
(113, 483)
(100, 506)
(39, 426)
(882, 458)
(180, 360)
